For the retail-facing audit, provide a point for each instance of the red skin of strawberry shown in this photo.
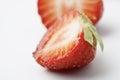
(81, 54)
(50, 10)
(78, 56)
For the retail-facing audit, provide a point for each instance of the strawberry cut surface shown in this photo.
(51, 10)
(64, 46)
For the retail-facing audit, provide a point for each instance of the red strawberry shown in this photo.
(50, 10)
(69, 43)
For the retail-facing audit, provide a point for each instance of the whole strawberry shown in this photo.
(50, 10)
(69, 43)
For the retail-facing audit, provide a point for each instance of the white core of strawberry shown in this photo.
(69, 4)
(64, 37)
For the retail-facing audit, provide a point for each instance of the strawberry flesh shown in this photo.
(63, 46)
(51, 10)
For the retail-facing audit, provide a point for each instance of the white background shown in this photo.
(21, 30)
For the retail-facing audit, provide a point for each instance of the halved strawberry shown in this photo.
(69, 43)
(50, 10)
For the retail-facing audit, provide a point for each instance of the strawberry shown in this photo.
(50, 10)
(69, 43)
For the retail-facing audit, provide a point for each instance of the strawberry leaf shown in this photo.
(88, 37)
(98, 38)
(90, 31)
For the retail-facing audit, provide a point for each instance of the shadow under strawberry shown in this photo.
(97, 68)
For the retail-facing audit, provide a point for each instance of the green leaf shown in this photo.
(98, 38)
(90, 31)
(88, 37)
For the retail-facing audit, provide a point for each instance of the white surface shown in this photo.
(21, 30)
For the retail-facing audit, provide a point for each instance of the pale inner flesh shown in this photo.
(63, 39)
(68, 4)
